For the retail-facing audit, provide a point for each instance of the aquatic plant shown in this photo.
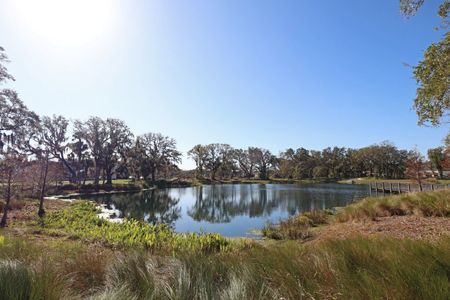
(80, 220)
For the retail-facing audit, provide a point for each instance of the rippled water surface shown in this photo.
(231, 209)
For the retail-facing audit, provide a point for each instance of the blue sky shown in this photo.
(274, 74)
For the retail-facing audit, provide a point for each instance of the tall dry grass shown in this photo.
(428, 204)
(355, 268)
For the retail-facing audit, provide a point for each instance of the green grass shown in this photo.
(81, 221)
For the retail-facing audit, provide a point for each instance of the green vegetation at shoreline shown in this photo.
(80, 220)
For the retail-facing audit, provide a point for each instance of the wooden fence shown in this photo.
(398, 187)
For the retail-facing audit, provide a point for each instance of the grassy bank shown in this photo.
(428, 204)
(72, 254)
(309, 224)
(356, 268)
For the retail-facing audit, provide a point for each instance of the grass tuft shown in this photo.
(427, 204)
(297, 227)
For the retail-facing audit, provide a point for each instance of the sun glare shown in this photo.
(66, 22)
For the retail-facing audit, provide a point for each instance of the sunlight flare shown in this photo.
(66, 22)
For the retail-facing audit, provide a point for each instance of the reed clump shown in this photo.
(297, 227)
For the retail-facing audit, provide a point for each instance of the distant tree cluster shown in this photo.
(221, 161)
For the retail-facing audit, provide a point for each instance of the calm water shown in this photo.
(231, 209)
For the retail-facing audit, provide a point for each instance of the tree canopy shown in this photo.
(432, 102)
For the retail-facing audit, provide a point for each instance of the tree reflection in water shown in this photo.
(153, 206)
(221, 203)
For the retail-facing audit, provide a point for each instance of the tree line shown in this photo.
(221, 161)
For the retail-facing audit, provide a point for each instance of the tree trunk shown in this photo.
(109, 178)
(73, 174)
(41, 211)
(8, 200)
(86, 170)
(153, 174)
(104, 177)
(96, 174)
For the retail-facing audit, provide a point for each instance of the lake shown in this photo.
(229, 209)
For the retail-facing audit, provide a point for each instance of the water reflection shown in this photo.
(230, 209)
(221, 203)
(154, 206)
